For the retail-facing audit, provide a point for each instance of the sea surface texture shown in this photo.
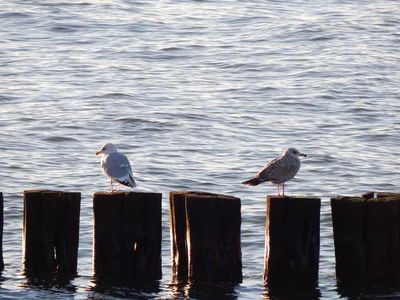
(199, 95)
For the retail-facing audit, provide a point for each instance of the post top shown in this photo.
(276, 197)
(204, 195)
(348, 198)
(41, 191)
(370, 197)
(124, 193)
(387, 194)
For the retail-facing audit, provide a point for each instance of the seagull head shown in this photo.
(106, 149)
(294, 152)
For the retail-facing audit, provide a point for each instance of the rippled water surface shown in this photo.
(199, 95)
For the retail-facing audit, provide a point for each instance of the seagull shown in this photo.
(279, 170)
(115, 165)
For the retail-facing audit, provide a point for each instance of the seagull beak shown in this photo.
(98, 152)
(302, 154)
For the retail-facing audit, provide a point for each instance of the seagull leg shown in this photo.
(283, 189)
(277, 187)
(112, 188)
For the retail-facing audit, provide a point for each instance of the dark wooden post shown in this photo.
(367, 238)
(292, 240)
(67, 229)
(205, 235)
(1, 231)
(51, 231)
(127, 235)
(348, 221)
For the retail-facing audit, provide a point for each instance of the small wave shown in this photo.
(14, 15)
(328, 97)
(4, 98)
(15, 167)
(58, 4)
(167, 49)
(361, 110)
(112, 95)
(65, 28)
(267, 89)
(152, 123)
(195, 116)
(57, 139)
(132, 120)
(26, 119)
(321, 38)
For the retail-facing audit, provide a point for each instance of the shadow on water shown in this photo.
(368, 291)
(291, 291)
(1, 278)
(132, 289)
(56, 281)
(203, 290)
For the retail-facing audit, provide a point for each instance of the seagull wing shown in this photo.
(278, 170)
(117, 167)
(271, 171)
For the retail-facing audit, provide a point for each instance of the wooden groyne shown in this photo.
(367, 238)
(205, 237)
(292, 240)
(127, 235)
(51, 231)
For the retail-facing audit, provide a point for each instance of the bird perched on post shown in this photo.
(115, 165)
(279, 170)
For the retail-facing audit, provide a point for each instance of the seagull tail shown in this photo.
(132, 181)
(252, 181)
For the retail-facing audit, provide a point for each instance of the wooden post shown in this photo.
(51, 231)
(367, 238)
(127, 235)
(205, 237)
(292, 240)
(1, 231)
(67, 228)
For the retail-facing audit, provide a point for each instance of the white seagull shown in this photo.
(116, 166)
(279, 170)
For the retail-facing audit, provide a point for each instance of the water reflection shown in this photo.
(203, 290)
(291, 291)
(1, 278)
(55, 281)
(123, 288)
(368, 291)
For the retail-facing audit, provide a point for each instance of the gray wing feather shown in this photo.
(270, 171)
(117, 165)
(279, 170)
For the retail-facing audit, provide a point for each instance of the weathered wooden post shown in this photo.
(1, 231)
(367, 238)
(127, 235)
(51, 231)
(205, 237)
(292, 240)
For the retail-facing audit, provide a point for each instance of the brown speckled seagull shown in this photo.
(279, 170)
